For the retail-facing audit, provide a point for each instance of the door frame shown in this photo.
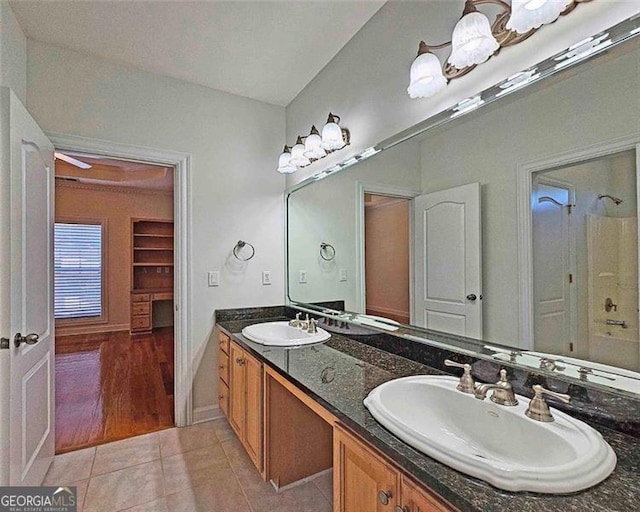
(380, 189)
(524, 183)
(181, 162)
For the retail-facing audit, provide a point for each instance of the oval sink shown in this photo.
(495, 443)
(281, 334)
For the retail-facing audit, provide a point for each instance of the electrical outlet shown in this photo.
(266, 277)
(159, 270)
(343, 274)
(302, 276)
(214, 278)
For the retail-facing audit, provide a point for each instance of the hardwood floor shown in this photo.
(112, 386)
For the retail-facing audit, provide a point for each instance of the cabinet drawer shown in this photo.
(163, 296)
(223, 366)
(224, 342)
(223, 397)
(140, 322)
(140, 308)
(140, 297)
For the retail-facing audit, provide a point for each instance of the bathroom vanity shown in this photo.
(299, 411)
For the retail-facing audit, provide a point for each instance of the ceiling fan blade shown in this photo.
(72, 161)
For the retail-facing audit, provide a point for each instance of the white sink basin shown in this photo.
(495, 443)
(281, 334)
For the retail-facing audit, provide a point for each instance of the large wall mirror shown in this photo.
(514, 225)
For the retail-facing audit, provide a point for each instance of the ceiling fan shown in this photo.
(71, 160)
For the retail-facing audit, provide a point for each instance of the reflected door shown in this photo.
(447, 260)
(553, 278)
(30, 378)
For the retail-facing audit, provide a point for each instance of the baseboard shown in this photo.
(90, 329)
(207, 413)
(301, 481)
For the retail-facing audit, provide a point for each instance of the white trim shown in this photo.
(524, 189)
(206, 413)
(182, 221)
(382, 190)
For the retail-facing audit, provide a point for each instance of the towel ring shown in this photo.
(325, 247)
(240, 245)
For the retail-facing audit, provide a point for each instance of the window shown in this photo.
(78, 271)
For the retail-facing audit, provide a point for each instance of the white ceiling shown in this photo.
(266, 50)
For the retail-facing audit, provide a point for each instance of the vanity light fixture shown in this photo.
(284, 162)
(312, 147)
(298, 157)
(475, 40)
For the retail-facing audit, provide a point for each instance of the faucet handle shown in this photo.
(312, 329)
(466, 384)
(538, 408)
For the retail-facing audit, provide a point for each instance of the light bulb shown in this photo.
(284, 162)
(332, 134)
(313, 145)
(297, 155)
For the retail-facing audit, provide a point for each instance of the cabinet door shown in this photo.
(237, 368)
(253, 410)
(364, 482)
(417, 499)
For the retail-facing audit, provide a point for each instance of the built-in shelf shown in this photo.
(152, 250)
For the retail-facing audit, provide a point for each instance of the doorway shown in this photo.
(113, 299)
(387, 221)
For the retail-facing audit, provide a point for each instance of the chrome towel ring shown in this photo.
(240, 245)
(327, 251)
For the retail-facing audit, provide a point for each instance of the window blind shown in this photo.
(78, 270)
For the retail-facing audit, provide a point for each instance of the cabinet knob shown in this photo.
(220, 397)
(240, 361)
(221, 367)
(384, 497)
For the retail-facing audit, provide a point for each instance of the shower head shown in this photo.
(616, 200)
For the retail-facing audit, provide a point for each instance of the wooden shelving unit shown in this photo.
(151, 269)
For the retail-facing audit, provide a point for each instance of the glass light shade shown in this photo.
(530, 14)
(332, 137)
(297, 155)
(426, 77)
(284, 164)
(313, 146)
(472, 41)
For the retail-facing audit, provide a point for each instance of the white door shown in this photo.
(552, 277)
(27, 296)
(448, 261)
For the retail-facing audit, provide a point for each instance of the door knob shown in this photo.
(29, 339)
(472, 297)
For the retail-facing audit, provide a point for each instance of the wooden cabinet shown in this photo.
(245, 401)
(365, 481)
(151, 269)
(223, 373)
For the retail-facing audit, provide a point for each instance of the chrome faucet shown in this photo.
(312, 328)
(502, 391)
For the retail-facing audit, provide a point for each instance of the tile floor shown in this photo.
(202, 468)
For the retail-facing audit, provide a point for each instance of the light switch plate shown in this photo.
(266, 277)
(343, 274)
(302, 276)
(214, 278)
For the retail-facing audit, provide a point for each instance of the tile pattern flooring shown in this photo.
(202, 468)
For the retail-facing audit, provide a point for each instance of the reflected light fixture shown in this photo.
(475, 39)
(314, 146)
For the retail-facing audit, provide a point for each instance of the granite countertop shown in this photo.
(340, 373)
